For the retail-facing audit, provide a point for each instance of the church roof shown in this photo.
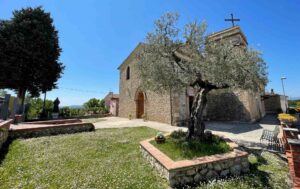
(111, 95)
(139, 46)
(229, 32)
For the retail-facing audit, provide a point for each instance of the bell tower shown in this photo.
(234, 34)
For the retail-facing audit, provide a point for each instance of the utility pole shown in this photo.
(285, 99)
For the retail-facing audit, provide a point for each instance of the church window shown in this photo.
(128, 73)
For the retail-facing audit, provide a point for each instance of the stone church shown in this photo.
(174, 108)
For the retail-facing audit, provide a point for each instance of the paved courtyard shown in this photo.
(118, 122)
(238, 131)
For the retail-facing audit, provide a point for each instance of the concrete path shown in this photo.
(244, 131)
(117, 122)
(238, 131)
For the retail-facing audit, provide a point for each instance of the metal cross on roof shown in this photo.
(232, 20)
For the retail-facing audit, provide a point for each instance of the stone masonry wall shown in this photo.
(272, 104)
(199, 173)
(234, 106)
(180, 108)
(239, 105)
(156, 106)
(195, 171)
(49, 130)
(4, 131)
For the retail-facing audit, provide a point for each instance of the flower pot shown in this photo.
(160, 140)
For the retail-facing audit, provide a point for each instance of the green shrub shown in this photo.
(65, 112)
(71, 112)
(178, 134)
(292, 111)
(36, 107)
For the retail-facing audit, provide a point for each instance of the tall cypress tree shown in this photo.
(29, 59)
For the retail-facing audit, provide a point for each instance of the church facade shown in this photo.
(174, 108)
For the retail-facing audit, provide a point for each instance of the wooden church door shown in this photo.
(140, 105)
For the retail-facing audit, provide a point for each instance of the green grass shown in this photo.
(110, 158)
(268, 170)
(106, 158)
(180, 149)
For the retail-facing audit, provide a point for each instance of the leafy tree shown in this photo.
(2, 92)
(36, 107)
(294, 103)
(173, 60)
(95, 105)
(65, 112)
(71, 112)
(29, 53)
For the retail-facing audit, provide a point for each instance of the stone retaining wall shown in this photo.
(57, 121)
(47, 130)
(193, 172)
(4, 131)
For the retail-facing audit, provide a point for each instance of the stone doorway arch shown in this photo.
(140, 104)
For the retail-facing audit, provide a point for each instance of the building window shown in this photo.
(128, 73)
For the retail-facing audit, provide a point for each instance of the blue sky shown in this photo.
(96, 36)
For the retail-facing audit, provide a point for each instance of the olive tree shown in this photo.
(173, 59)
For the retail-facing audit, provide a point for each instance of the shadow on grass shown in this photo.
(263, 176)
(4, 150)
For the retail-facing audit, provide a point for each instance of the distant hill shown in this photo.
(74, 106)
(295, 98)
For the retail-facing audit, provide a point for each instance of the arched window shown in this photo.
(128, 73)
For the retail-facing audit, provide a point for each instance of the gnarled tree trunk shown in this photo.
(21, 95)
(196, 123)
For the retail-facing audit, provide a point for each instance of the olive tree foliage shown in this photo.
(173, 59)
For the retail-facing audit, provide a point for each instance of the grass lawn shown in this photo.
(268, 170)
(180, 149)
(110, 158)
(106, 158)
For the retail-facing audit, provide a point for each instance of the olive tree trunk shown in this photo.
(196, 125)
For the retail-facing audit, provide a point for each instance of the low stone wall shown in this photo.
(72, 117)
(47, 130)
(57, 121)
(193, 172)
(4, 131)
